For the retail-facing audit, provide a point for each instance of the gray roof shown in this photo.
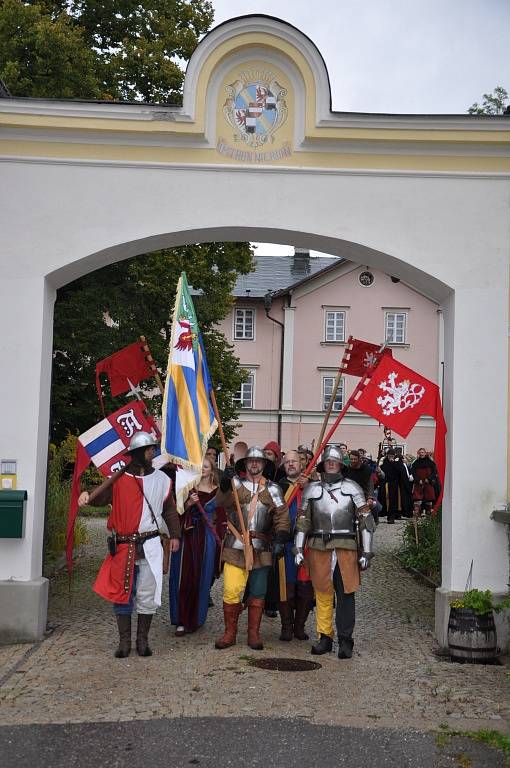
(277, 273)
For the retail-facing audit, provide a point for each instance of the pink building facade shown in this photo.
(292, 340)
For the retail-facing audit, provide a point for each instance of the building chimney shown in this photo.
(301, 262)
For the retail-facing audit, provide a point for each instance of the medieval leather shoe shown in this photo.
(124, 627)
(142, 634)
(325, 645)
(303, 608)
(255, 611)
(345, 646)
(231, 615)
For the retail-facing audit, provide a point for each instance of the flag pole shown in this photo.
(248, 550)
(332, 430)
(338, 378)
(152, 364)
(330, 405)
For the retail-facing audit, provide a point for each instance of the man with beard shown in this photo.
(266, 517)
(328, 518)
(299, 596)
(395, 491)
(426, 485)
(143, 509)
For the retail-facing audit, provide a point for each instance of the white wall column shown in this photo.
(26, 319)
(288, 358)
(475, 404)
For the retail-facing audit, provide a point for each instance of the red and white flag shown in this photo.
(129, 364)
(104, 445)
(360, 357)
(397, 396)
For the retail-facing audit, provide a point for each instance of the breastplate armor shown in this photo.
(332, 512)
(260, 522)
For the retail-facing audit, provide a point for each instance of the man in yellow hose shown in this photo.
(266, 519)
(331, 512)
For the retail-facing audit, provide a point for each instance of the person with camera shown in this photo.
(143, 511)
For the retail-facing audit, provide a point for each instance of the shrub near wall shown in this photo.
(425, 556)
(57, 504)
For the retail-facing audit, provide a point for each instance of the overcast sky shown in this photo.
(400, 56)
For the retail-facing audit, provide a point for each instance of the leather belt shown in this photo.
(134, 537)
(326, 536)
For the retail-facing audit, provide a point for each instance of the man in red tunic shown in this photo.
(143, 509)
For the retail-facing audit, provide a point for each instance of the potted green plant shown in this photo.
(471, 628)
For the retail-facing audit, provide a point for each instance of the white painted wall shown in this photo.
(446, 234)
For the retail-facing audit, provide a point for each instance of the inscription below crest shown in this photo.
(255, 107)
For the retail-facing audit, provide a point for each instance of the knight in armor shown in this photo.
(334, 517)
(266, 518)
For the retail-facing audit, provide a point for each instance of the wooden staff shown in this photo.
(152, 364)
(248, 549)
(107, 483)
(332, 430)
(330, 405)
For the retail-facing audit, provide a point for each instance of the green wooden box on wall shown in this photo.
(12, 514)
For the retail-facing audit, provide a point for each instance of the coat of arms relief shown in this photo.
(255, 107)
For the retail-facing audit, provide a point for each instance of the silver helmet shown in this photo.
(255, 452)
(330, 452)
(142, 440)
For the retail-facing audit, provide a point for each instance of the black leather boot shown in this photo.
(124, 627)
(287, 617)
(345, 646)
(325, 645)
(142, 634)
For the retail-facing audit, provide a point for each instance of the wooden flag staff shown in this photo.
(152, 364)
(245, 535)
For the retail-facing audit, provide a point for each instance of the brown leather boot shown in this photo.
(142, 634)
(124, 627)
(287, 617)
(255, 611)
(231, 613)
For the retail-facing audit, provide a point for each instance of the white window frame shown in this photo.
(394, 340)
(337, 405)
(336, 311)
(247, 385)
(243, 336)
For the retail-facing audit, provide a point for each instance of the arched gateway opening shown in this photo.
(255, 153)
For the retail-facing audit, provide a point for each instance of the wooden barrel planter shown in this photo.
(472, 637)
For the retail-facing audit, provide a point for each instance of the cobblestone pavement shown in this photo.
(393, 680)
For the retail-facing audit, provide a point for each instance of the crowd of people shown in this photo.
(284, 539)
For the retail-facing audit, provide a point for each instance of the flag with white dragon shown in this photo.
(188, 419)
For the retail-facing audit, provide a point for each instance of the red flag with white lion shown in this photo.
(397, 396)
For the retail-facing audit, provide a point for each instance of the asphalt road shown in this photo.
(240, 742)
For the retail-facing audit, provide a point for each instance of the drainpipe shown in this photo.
(268, 303)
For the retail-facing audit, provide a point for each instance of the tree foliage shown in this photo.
(493, 103)
(108, 49)
(136, 297)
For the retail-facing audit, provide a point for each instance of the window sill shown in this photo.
(398, 344)
(333, 343)
(243, 339)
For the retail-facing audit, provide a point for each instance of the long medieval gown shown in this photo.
(192, 568)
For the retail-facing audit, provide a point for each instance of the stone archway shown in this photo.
(425, 198)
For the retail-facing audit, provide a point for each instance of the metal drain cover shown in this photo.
(285, 665)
